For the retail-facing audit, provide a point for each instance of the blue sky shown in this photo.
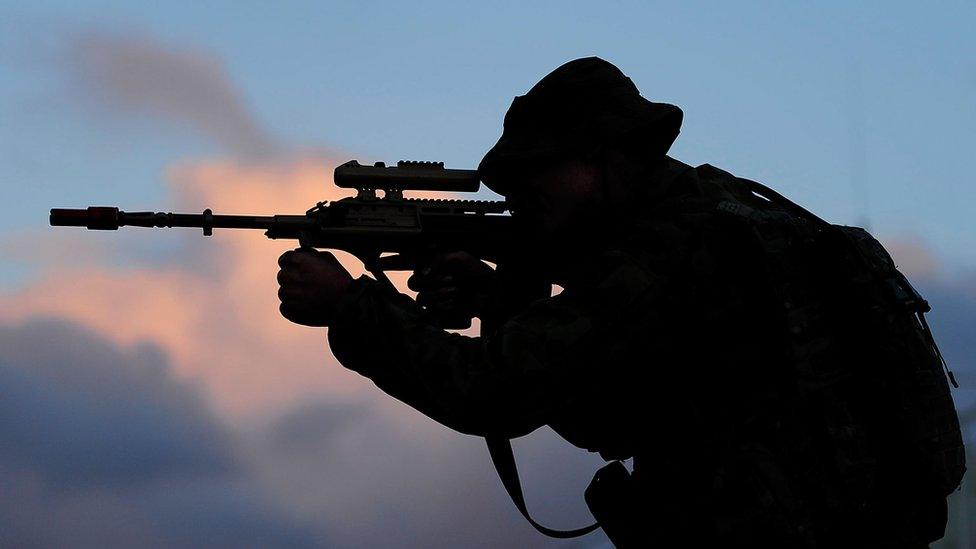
(801, 97)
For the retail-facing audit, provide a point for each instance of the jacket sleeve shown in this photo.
(506, 383)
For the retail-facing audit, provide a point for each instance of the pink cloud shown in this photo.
(216, 312)
(913, 256)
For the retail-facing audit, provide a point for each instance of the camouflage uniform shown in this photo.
(680, 346)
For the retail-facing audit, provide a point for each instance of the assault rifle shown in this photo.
(365, 225)
(368, 226)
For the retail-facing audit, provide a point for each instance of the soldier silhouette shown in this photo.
(771, 375)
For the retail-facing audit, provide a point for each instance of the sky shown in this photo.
(155, 387)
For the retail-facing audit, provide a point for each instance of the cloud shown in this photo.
(128, 74)
(210, 303)
(81, 411)
(106, 448)
(384, 477)
(913, 257)
(213, 304)
(102, 447)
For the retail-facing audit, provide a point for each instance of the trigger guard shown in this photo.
(304, 241)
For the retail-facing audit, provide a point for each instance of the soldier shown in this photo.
(687, 317)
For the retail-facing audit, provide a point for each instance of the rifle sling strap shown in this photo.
(500, 450)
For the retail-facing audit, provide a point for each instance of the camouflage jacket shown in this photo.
(722, 345)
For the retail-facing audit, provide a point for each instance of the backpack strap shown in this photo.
(500, 450)
(780, 200)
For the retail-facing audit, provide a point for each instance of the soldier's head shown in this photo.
(575, 147)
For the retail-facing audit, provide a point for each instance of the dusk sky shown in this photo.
(157, 398)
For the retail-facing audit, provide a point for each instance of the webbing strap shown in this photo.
(774, 196)
(500, 450)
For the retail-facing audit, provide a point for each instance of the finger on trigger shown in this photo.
(417, 282)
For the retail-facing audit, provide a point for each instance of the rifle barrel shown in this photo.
(109, 218)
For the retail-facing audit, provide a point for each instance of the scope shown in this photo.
(405, 176)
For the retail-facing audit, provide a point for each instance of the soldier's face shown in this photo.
(557, 201)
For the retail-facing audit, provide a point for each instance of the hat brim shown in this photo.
(657, 124)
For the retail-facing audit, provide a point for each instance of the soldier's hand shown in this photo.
(455, 286)
(311, 283)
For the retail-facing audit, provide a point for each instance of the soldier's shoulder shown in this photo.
(686, 174)
(709, 171)
(678, 169)
(701, 190)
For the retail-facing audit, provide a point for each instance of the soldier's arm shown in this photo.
(509, 382)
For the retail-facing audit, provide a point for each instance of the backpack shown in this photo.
(871, 441)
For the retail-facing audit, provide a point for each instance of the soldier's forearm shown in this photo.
(453, 379)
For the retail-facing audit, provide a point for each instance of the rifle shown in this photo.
(365, 225)
(368, 226)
